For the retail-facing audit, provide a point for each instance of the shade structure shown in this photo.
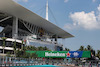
(14, 9)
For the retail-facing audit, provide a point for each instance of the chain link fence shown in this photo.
(12, 61)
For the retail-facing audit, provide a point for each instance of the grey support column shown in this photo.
(15, 28)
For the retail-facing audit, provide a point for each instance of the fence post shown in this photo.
(0, 65)
(5, 65)
(9, 64)
(0, 59)
(97, 65)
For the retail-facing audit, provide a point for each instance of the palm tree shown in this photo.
(34, 48)
(3, 46)
(22, 47)
(8, 54)
(89, 47)
(98, 54)
(66, 49)
(81, 48)
(85, 49)
(4, 39)
(14, 47)
(45, 48)
(40, 48)
(34, 55)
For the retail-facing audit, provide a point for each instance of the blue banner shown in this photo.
(74, 54)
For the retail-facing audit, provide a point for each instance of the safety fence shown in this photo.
(59, 64)
(12, 61)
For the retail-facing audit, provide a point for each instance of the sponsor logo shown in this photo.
(55, 54)
(68, 54)
(75, 54)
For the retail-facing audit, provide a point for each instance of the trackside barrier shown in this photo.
(12, 61)
(21, 64)
(10, 65)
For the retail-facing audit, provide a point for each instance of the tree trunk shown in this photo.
(15, 55)
(3, 55)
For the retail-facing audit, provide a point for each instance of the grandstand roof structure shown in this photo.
(15, 10)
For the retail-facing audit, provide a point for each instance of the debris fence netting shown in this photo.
(13, 61)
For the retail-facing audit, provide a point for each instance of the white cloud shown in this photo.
(70, 26)
(94, 0)
(98, 12)
(66, 1)
(21, 0)
(98, 8)
(85, 20)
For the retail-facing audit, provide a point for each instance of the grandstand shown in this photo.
(20, 24)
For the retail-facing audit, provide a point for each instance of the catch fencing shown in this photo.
(12, 61)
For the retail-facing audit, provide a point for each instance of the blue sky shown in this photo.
(81, 18)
